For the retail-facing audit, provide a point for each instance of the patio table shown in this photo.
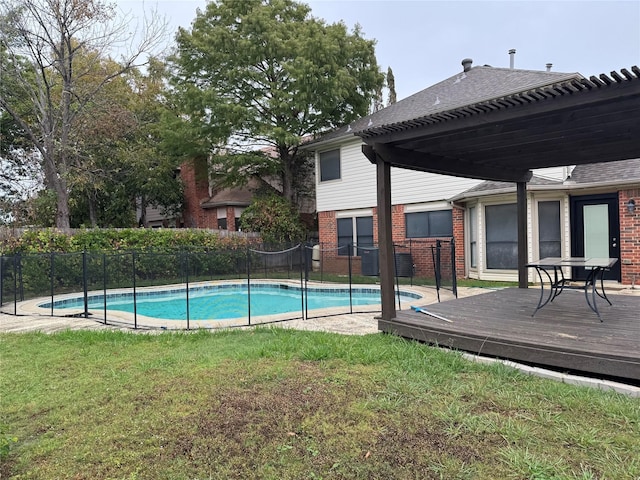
(552, 269)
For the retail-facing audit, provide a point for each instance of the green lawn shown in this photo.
(283, 404)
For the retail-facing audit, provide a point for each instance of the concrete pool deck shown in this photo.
(348, 324)
(355, 323)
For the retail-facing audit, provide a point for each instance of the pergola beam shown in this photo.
(447, 166)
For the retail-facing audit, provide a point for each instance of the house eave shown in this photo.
(207, 205)
(321, 144)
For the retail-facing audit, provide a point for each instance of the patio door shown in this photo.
(595, 231)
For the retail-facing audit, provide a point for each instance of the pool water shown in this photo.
(219, 302)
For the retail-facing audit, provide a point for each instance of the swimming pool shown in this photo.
(227, 301)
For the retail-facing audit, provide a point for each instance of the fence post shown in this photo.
(321, 263)
(413, 265)
(52, 273)
(435, 270)
(84, 284)
(350, 252)
(1, 278)
(306, 289)
(15, 283)
(249, 285)
(454, 274)
(186, 276)
(395, 265)
(104, 285)
(438, 262)
(135, 306)
(19, 274)
(303, 268)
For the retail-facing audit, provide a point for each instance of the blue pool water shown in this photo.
(225, 301)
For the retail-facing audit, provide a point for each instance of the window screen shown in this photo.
(502, 236)
(549, 240)
(345, 235)
(330, 165)
(364, 232)
(437, 223)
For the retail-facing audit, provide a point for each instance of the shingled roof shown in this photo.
(477, 84)
(622, 172)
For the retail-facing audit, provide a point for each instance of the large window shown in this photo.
(437, 223)
(502, 236)
(330, 165)
(549, 240)
(354, 230)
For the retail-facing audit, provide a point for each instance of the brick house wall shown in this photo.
(420, 249)
(231, 219)
(629, 237)
(458, 236)
(196, 188)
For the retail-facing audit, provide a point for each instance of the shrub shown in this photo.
(274, 218)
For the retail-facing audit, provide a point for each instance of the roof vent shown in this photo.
(466, 64)
(512, 57)
(549, 65)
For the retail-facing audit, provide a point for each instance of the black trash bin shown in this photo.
(404, 265)
(370, 264)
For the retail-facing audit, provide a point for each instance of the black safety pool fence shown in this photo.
(92, 284)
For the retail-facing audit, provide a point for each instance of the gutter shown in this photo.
(312, 145)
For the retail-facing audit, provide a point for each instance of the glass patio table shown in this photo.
(552, 267)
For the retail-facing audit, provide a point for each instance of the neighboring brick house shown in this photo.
(206, 206)
(563, 203)
(203, 206)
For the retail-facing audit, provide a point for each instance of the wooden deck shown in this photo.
(564, 335)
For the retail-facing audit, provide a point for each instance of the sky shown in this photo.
(425, 41)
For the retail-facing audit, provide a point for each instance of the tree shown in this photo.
(274, 218)
(256, 77)
(123, 165)
(391, 85)
(42, 39)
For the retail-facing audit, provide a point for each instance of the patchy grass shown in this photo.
(284, 404)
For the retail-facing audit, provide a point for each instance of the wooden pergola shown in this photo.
(574, 122)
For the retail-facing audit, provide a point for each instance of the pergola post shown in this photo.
(385, 239)
(523, 281)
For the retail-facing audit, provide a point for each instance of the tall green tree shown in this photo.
(42, 39)
(255, 77)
